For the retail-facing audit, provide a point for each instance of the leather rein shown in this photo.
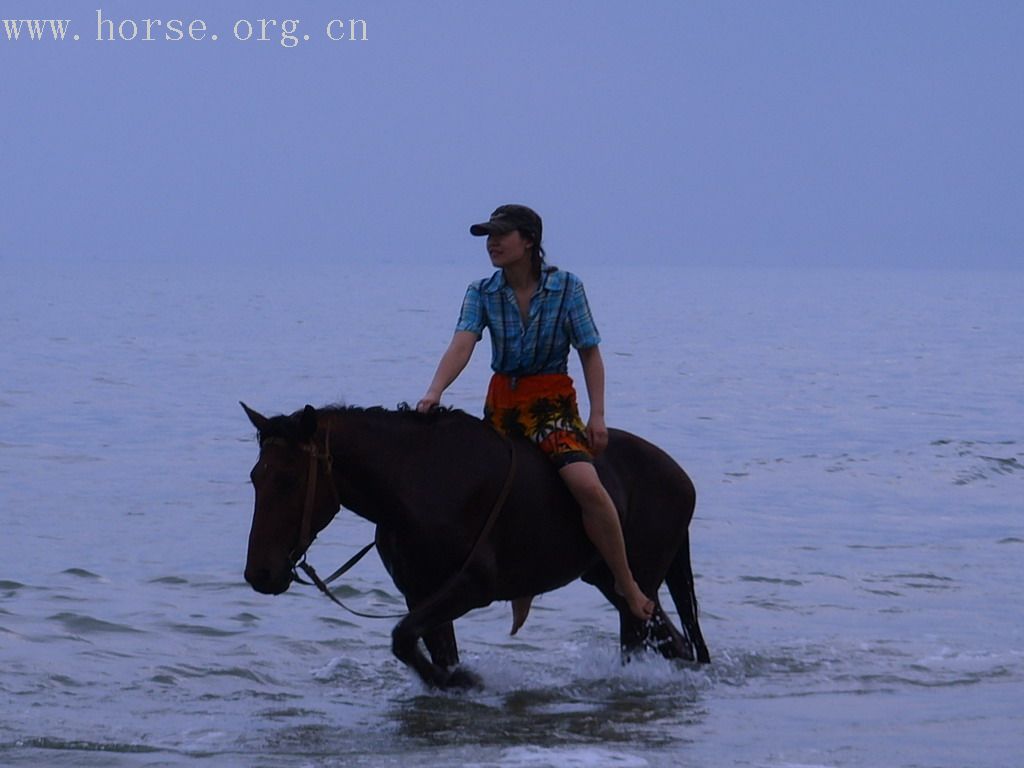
(298, 555)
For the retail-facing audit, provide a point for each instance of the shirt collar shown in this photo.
(551, 279)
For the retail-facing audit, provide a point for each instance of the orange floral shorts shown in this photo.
(541, 408)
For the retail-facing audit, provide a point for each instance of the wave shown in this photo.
(78, 623)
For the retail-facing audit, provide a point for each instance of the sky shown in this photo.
(764, 134)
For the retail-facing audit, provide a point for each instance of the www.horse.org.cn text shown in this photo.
(288, 33)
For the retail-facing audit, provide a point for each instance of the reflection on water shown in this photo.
(587, 711)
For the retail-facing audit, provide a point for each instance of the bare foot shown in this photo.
(520, 610)
(640, 605)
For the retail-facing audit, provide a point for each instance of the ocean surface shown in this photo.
(856, 438)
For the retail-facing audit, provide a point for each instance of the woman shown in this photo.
(534, 313)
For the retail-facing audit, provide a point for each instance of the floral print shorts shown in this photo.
(543, 409)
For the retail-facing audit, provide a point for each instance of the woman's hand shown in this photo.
(593, 373)
(452, 362)
(428, 401)
(597, 434)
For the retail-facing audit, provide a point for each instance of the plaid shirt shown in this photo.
(559, 316)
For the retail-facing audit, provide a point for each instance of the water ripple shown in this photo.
(80, 623)
(201, 629)
(74, 745)
(189, 671)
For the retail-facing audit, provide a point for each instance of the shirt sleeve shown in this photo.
(582, 329)
(473, 316)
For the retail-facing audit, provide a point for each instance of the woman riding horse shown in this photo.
(534, 312)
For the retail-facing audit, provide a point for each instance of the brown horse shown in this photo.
(465, 517)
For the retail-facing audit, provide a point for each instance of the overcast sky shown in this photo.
(754, 133)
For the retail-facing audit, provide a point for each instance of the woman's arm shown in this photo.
(593, 375)
(453, 361)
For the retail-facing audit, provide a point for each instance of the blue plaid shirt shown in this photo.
(559, 316)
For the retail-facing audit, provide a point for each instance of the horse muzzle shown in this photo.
(267, 582)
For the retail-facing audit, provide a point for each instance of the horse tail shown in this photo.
(680, 585)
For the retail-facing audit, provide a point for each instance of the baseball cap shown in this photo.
(507, 218)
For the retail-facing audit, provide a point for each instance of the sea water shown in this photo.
(856, 438)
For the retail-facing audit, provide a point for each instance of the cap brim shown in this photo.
(490, 228)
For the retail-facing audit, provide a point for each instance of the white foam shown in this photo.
(532, 756)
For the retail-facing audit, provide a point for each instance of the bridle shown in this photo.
(316, 456)
(297, 557)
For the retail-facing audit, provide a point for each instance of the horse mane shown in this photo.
(288, 426)
(402, 410)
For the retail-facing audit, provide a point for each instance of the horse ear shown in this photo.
(307, 423)
(258, 420)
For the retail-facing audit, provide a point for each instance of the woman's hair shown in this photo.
(537, 254)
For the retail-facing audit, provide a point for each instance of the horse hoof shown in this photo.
(462, 679)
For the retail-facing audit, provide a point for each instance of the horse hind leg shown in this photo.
(659, 635)
(681, 587)
(635, 635)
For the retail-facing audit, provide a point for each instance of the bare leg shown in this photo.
(601, 522)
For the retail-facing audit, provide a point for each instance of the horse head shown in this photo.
(295, 496)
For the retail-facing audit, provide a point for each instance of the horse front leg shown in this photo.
(440, 642)
(431, 621)
(405, 645)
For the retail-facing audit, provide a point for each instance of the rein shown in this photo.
(298, 555)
